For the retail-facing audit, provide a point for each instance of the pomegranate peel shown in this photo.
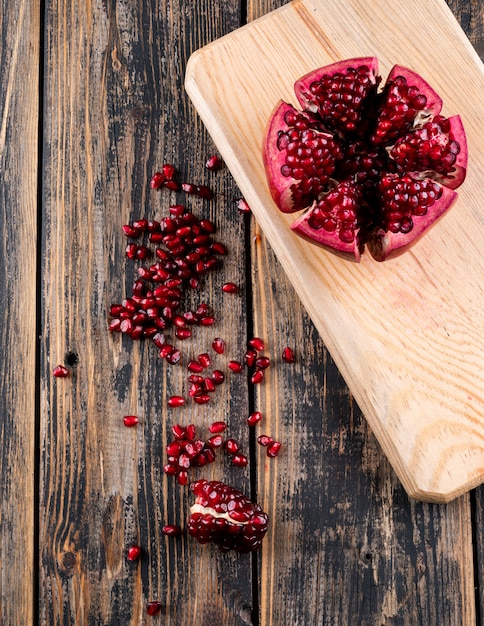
(370, 167)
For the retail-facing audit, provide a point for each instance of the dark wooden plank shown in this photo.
(115, 110)
(346, 544)
(19, 105)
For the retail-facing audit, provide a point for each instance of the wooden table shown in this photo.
(92, 104)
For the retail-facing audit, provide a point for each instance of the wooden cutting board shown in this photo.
(407, 334)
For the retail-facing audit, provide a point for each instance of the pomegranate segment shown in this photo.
(369, 167)
(226, 517)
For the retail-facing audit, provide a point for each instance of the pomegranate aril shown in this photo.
(176, 401)
(218, 248)
(204, 359)
(250, 357)
(257, 377)
(232, 446)
(133, 553)
(179, 432)
(130, 420)
(182, 478)
(183, 333)
(169, 171)
(235, 366)
(209, 385)
(171, 530)
(262, 362)
(157, 180)
(288, 355)
(204, 192)
(273, 449)
(130, 231)
(265, 440)
(254, 418)
(217, 427)
(242, 205)
(215, 441)
(60, 371)
(257, 343)
(218, 345)
(173, 357)
(214, 163)
(153, 608)
(195, 366)
(202, 398)
(218, 377)
(230, 288)
(239, 460)
(207, 321)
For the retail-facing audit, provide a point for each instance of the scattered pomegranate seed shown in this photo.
(130, 420)
(133, 553)
(240, 460)
(218, 377)
(214, 163)
(195, 366)
(202, 398)
(204, 359)
(215, 441)
(235, 366)
(288, 355)
(273, 449)
(265, 440)
(232, 446)
(171, 530)
(254, 418)
(230, 288)
(257, 343)
(218, 345)
(176, 401)
(153, 608)
(250, 357)
(169, 171)
(257, 377)
(157, 180)
(60, 371)
(262, 362)
(217, 427)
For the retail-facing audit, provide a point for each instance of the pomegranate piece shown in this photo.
(154, 608)
(133, 553)
(130, 420)
(226, 517)
(60, 372)
(371, 168)
(214, 163)
(171, 530)
(288, 355)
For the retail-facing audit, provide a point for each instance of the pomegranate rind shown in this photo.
(309, 101)
(287, 191)
(384, 245)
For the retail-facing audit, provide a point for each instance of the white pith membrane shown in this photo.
(206, 510)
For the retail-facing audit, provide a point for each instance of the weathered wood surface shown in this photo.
(345, 544)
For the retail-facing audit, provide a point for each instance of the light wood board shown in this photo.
(407, 334)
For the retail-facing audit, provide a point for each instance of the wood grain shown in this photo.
(19, 109)
(411, 351)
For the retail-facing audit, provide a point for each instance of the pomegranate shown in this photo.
(369, 167)
(225, 516)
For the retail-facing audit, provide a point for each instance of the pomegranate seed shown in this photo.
(243, 206)
(232, 446)
(218, 345)
(195, 389)
(157, 180)
(189, 188)
(218, 377)
(176, 401)
(235, 366)
(131, 231)
(209, 385)
(250, 357)
(202, 398)
(60, 371)
(169, 171)
(183, 333)
(141, 224)
(288, 355)
(217, 427)
(182, 478)
(131, 250)
(173, 357)
(190, 431)
(130, 420)
(214, 163)
(179, 432)
(195, 366)
(215, 441)
(173, 185)
(254, 418)
(171, 530)
(207, 225)
(219, 248)
(207, 321)
(153, 608)
(230, 288)
(273, 449)
(265, 440)
(240, 460)
(262, 362)
(257, 343)
(257, 377)
(204, 359)
(133, 553)
(204, 192)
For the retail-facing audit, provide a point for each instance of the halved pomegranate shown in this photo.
(225, 516)
(368, 167)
